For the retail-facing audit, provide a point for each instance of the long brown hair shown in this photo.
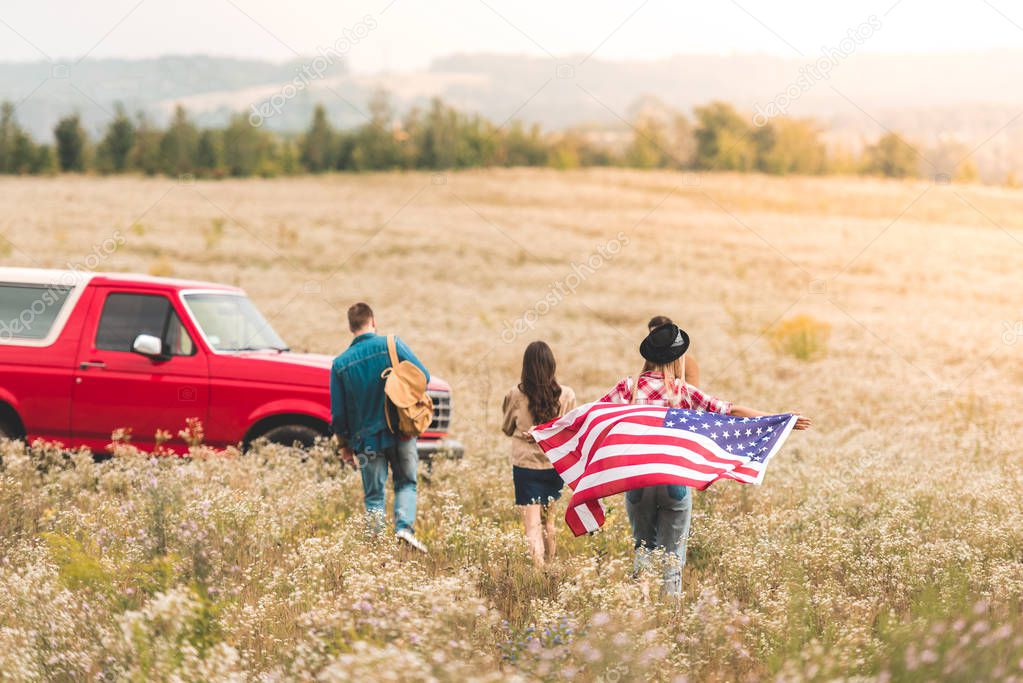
(539, 384)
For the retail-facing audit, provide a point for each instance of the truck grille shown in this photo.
(441, 411)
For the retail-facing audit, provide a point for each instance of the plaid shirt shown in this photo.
(653, 392)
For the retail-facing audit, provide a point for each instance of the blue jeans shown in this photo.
(403, 458)
(660, 517)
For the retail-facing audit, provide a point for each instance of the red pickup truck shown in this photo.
(84, 354)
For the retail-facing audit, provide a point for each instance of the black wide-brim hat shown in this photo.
(664, 344)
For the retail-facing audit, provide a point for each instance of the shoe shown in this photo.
(410, 538)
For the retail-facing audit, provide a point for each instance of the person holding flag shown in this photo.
(653, 439)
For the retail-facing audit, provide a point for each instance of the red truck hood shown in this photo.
(318, 364)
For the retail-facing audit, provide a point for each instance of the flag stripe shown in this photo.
(622, 442)
(586, 516)
(699, 469)
(624, 472)
(653, 478)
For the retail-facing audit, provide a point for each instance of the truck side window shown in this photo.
(125, 316)
(29, 311)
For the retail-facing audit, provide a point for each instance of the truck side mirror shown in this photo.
(148, 345)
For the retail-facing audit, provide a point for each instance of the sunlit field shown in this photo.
(887, 543)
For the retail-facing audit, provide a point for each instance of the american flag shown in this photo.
(601, 449)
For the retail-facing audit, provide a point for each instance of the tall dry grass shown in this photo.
(884, 544)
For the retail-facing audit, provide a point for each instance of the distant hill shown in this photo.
(874, 82)
(954, 102)
(960, 99)
(47, 91)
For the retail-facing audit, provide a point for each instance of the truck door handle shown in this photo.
(85, 365)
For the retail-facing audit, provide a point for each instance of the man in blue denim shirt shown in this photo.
(357, 405)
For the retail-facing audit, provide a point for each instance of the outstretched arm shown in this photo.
(802, 422)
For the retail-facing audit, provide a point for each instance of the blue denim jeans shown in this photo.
(403, 459)
(660, 517)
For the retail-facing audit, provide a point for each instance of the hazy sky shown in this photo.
(407, 34)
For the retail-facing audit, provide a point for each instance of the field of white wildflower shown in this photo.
(885, 544)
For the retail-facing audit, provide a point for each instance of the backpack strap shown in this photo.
(392, 350)
(392, 353)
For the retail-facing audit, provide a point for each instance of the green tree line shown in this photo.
(717, 137)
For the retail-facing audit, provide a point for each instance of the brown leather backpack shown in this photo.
(405, 387)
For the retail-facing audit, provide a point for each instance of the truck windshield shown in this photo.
(230, 322)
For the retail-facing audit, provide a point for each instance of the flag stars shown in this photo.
(750, 438)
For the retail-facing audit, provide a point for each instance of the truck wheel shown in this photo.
(291, 435)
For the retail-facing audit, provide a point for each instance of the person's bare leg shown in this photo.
(550, 535)
(534, 534)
